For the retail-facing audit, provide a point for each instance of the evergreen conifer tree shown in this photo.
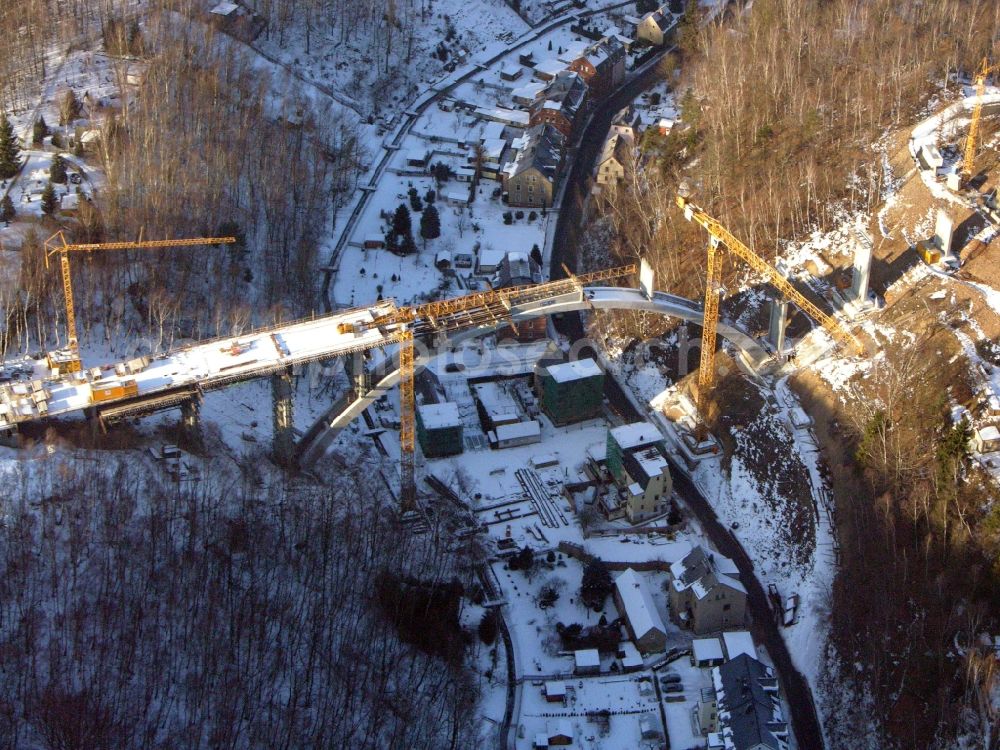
(49, 199)
(430, 223)
(7, 211)
(401, 224)
(39, 130)
(57, 171)
(10, 150)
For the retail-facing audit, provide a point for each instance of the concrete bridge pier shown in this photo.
(191, 422)
(283, 445)
(778, 323)
(360, 377)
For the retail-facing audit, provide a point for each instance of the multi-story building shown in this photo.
(562, 103)
(530, 180)
(637, 459)
(705, 592)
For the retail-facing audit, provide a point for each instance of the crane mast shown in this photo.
(489, 308)
(719, 235)
(68, 360)
(971, 141)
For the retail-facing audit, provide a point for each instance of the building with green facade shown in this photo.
(637, 459)
(439, 429)
(571, 391)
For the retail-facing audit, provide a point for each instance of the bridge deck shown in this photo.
(213, 364)
(204, 366)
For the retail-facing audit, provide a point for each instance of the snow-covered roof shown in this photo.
(989, 433)
(541, 149)
(635, 435)
(560, 727)
(550, 67)
(555, 688)
(493, 148)
(800, 418)
(570, 371)
(224, 9)
(706, 649)
(518, 430)
(501, 114)
(493, 130)
(490, 257)
(70, 202)
(457, 196)
(528, 91)
(651, 462)
(640, 609)
(587, 657)
(739, 642)
(439, 416)
(615, 147)
(701, 571)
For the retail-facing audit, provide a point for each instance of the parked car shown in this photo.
(674, 687)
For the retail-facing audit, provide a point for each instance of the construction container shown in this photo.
(111, 390)
(439, 429)
(572, 391)
(928, 252)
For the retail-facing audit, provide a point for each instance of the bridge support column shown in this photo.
(778, 324)
(283, 445)
(354, 366)
(191, 423)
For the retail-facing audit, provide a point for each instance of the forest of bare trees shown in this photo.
(233, 612)
(209, 143)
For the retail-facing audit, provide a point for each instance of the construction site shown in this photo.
(617, 456)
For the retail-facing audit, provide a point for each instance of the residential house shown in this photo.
(653, 26)
(602, 66)
(511, 72)
(518, 269)
(986, 439)
(548, 69)
(628, 123)
(636, 605)
(530, 179)
(637, 459)
(615, 158)
(743, 707)
(488, 155)
(526, 95)
(555, 691)
(705, 593)
(561, 103)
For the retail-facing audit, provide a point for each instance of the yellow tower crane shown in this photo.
(971, 141)
(720, 236)
(68, 358)
(490, 308)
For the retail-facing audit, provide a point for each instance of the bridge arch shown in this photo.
(315, 442)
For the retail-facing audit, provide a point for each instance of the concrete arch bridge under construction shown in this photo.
(180, 377)
(315, 442)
